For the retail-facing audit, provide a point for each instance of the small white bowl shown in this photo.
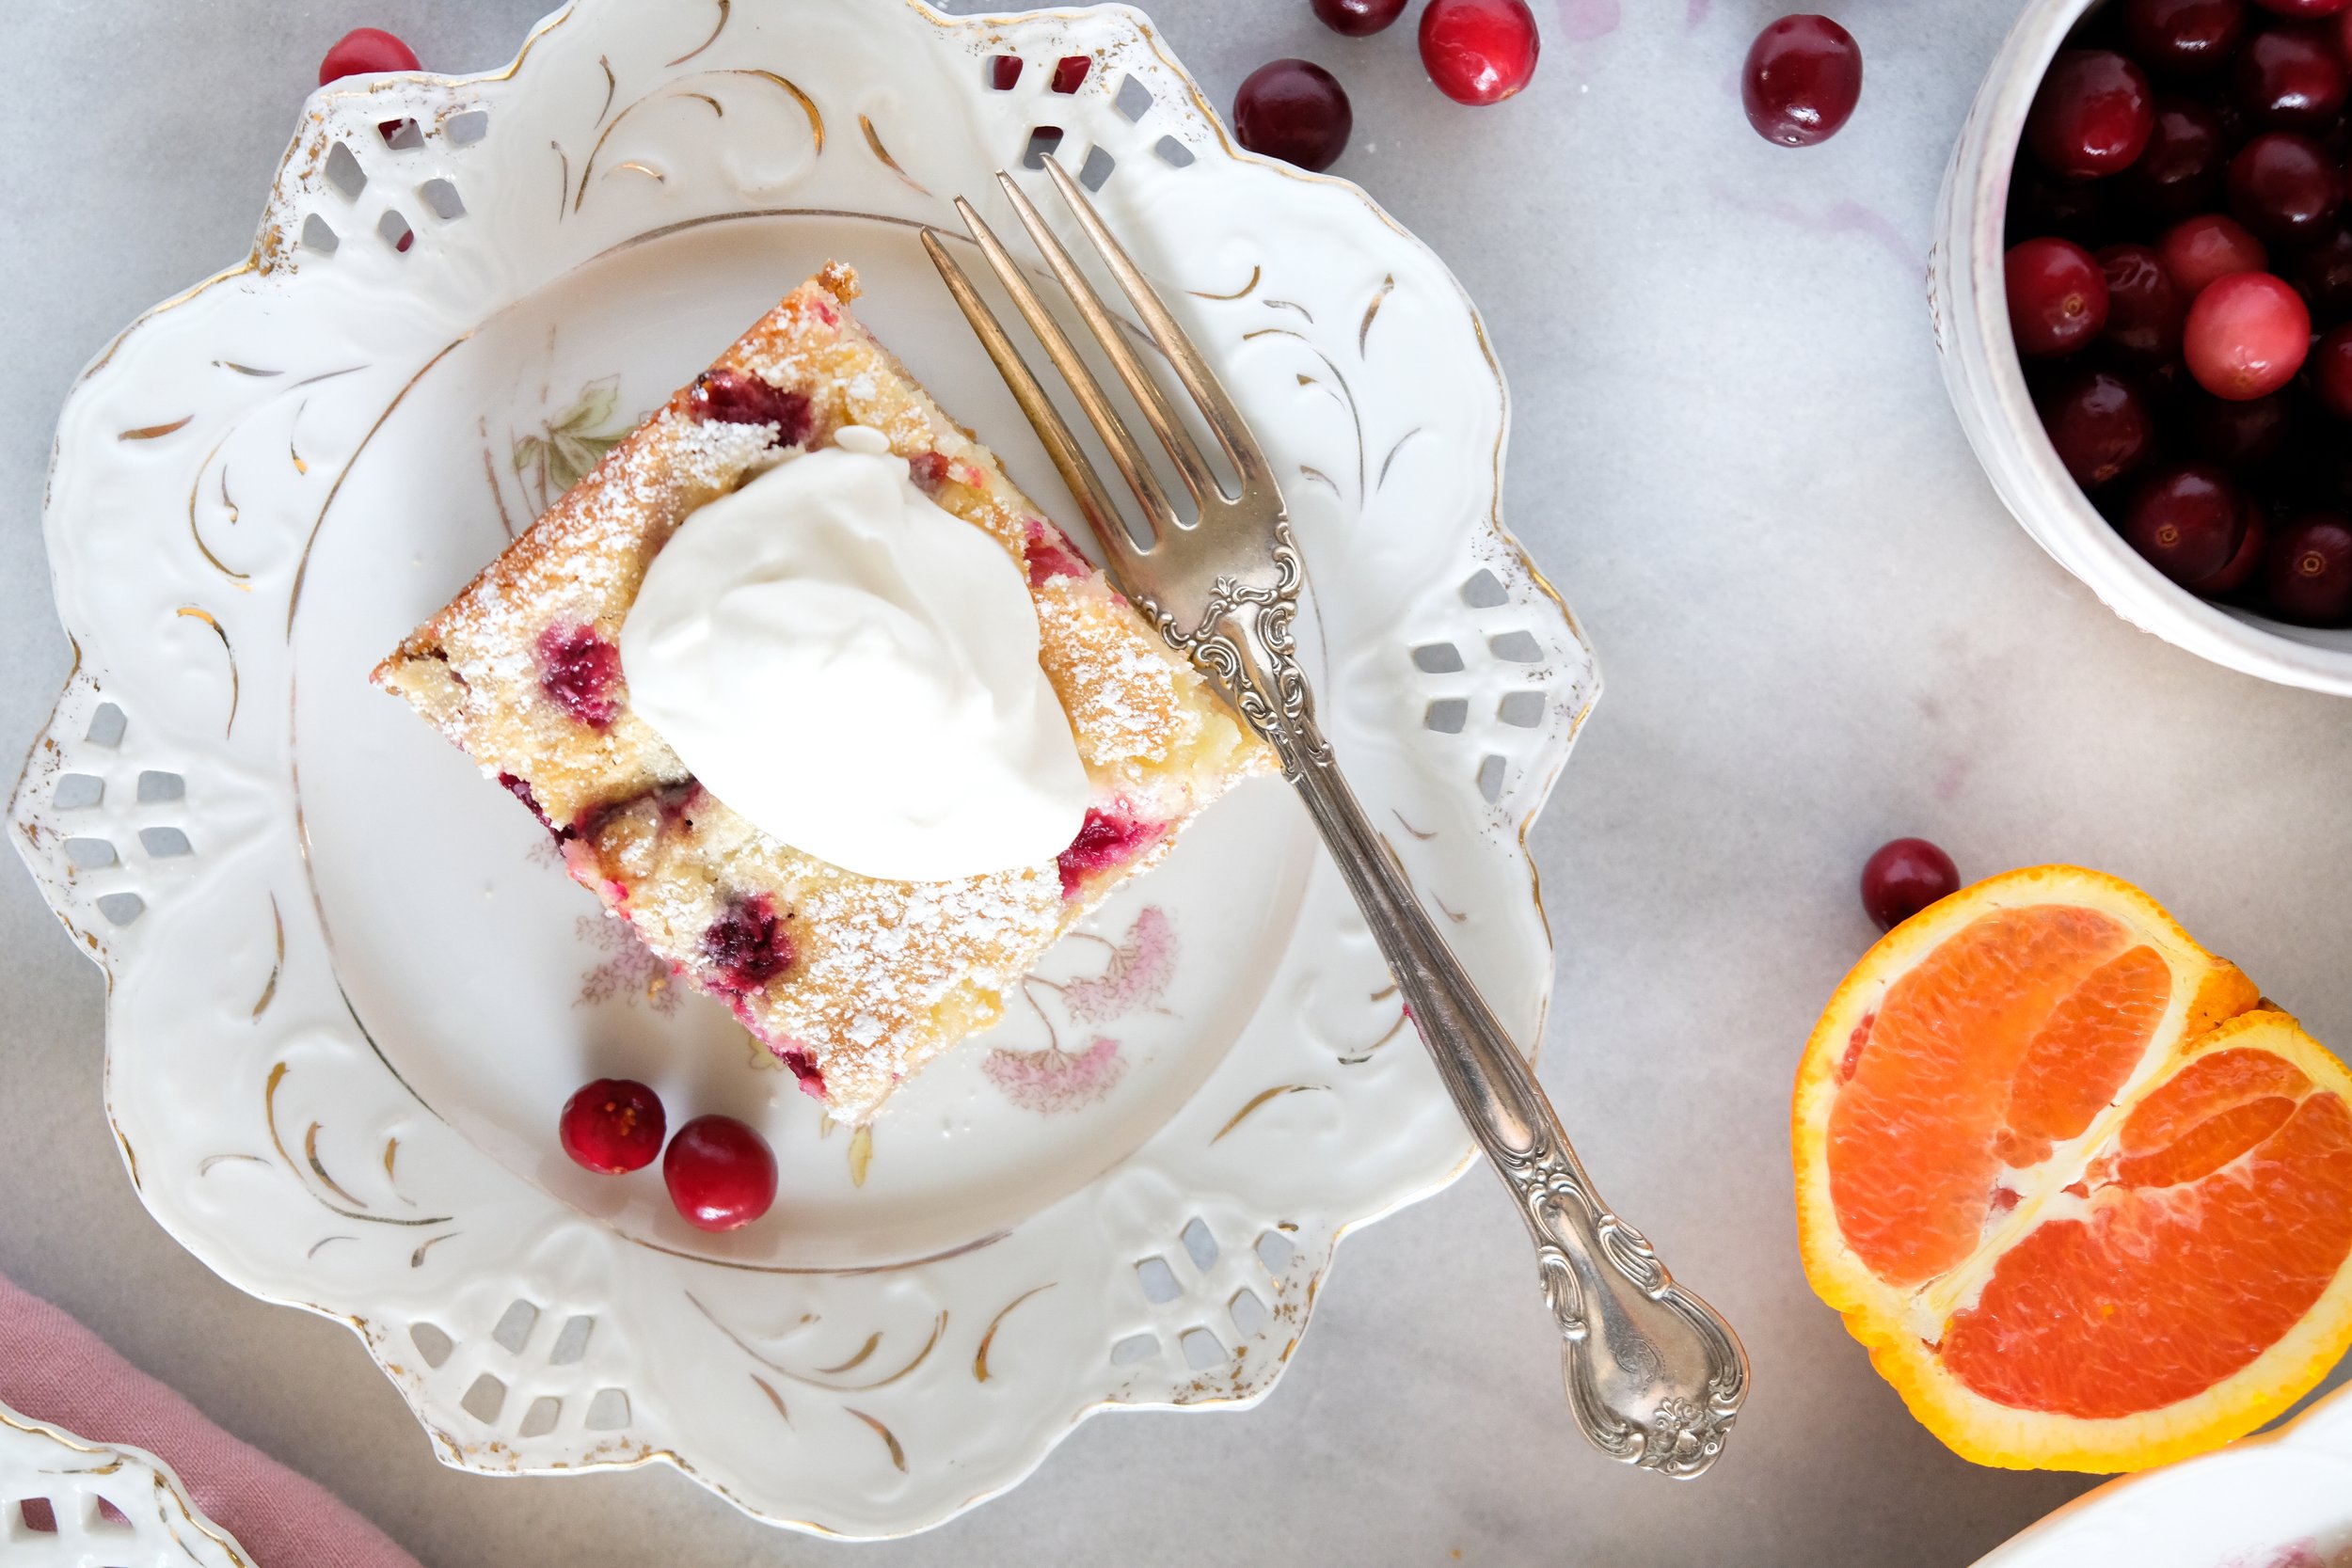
(1969, 305)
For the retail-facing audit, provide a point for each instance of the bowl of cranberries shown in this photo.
(2142, 292)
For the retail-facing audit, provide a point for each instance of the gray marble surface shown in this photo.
(1819, 629)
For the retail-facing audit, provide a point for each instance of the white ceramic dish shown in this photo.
(1969, 305)
(152, 1524)
(2281, 1500)
(348, 990)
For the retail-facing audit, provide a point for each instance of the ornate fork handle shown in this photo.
(1654, 1375)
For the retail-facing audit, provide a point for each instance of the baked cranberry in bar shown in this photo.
(854, 982)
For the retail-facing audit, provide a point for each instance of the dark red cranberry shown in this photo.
(2307, 574)
(613, 1124)
(1070, 73)
(579, 671)
(739, 396)
(1803, 76)
(2144, 305)
(2324, 273)
(2247, 435)
(2183, 37)
(2187, 520)
(2331, 371)
(1004, 72)
(2181, 171)
(2284, 188)
(1358, 19)
(365, 51)
(1294, 110)
(2253, 543)
(2290, 77)
(2304, 8)
(1104, 840)
(2209, 246)
(1479, 50)
(1903, 876)
(2247, 335)
(720, 1174)
(2057, 297)
(747, 945)
(2083, 211)
(2093, 116)
(928, 470)
(2100, 424)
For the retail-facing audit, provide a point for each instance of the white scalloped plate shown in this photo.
(348, 988)
(148, 1520)
(2279, 1500)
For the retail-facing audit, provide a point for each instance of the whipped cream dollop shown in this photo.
(855, 671)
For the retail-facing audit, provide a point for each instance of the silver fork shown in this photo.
(1654, 1375)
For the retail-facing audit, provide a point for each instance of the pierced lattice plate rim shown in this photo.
(67, 1500)
(443, 309)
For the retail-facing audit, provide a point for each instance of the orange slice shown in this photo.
(2087, 1202)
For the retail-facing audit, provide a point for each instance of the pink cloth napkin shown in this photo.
(54, 1369)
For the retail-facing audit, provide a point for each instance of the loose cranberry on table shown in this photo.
(2183, 37)
(2247, 335)
(2185, 520)
(2291, 78)
(2144, 304)
(1903, 876)
(2307, 574)
(364, 52)
(2331, 371)
(2057, 297)
(2100, 423)
(1479, 51)
(2180, 171)
(720, 1174)
(1294, 110)
(1358, 19)
(2284, 188)
(613, 1124)
(1803, 78)
(2092, 115)
(2209, 246)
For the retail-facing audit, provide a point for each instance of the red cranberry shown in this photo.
(577, 671)
(737, 397)
(2183, 37)
(2308, 572)
(2206, 247)
(2144, 309)
(2283, 186)
(2185, 520)
(1903, 876)
(1048, 554)
(613, 1124)
(2181, 171)
(365, 51)
(1803, 78)
(720, 1174)
(1294, 110)
(2324, 273)
(2247, 434)
(2057, 297)
(2083, 211)
(1479, 50)
(2331, 371)
(2290, 77)
(2247, 335)
(2253, 543)
(747, 946)
(1104, 840)
(2093, 116)
(1358, 19)
(2304, 8)
(2100, 424)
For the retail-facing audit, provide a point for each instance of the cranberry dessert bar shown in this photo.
(854, 982)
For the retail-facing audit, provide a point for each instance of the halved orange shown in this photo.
(2085, 1197)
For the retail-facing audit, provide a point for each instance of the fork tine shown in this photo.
(1070, 459)
(1233, 431)
(1157, 411)
(1123, 450)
